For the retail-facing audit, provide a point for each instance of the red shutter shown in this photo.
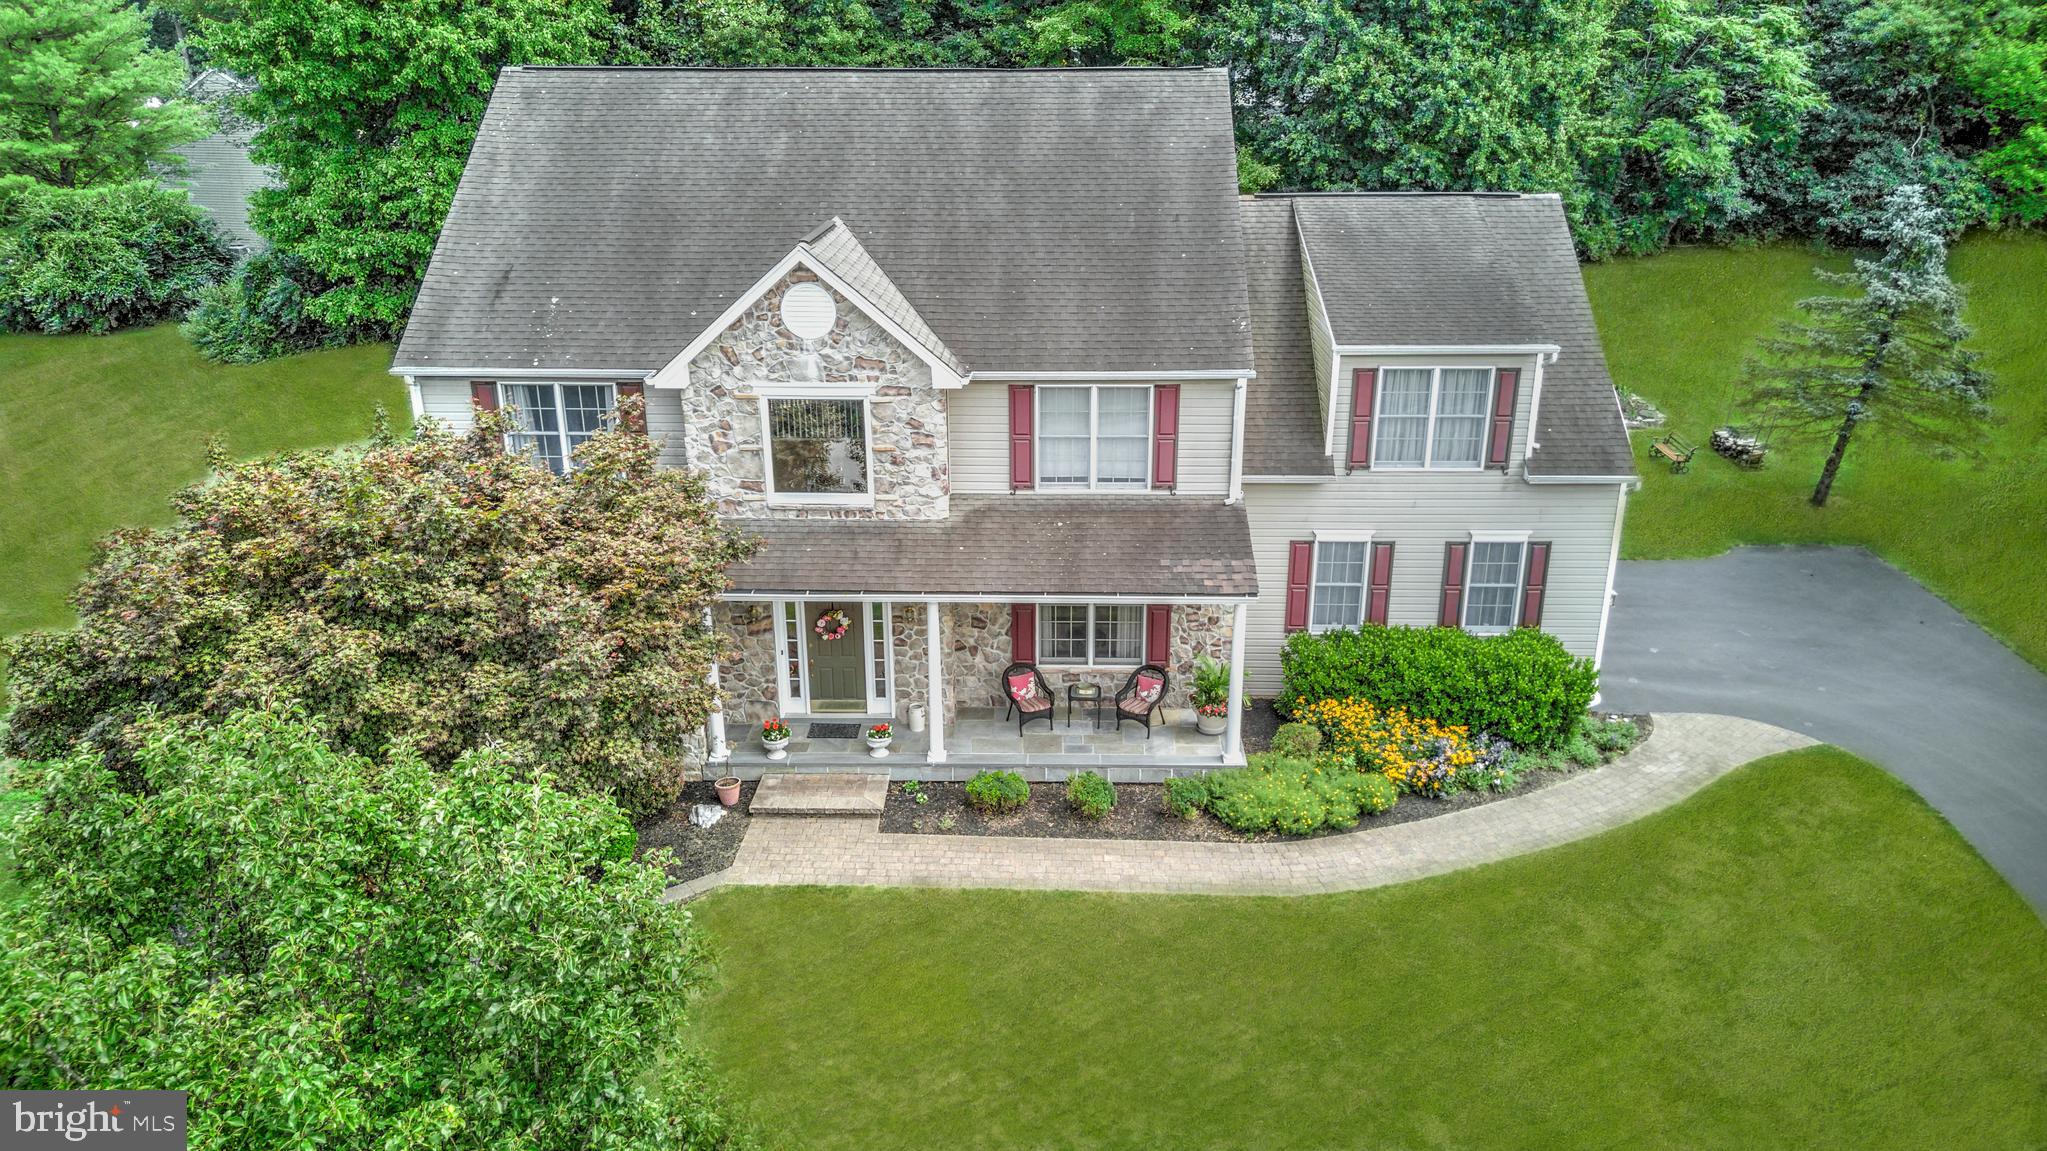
(1300, 564)
(1452, 614)
(1380, 589)
(1022, 409)
(1532, 585)
(1023, 632)
(1363, 383)
(1158, 633)
(1165, 435)
(637, 421)
(1503, 418)
(484, 394)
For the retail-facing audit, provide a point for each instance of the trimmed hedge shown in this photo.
(1522, 686)
(996, 792)
(97, 259)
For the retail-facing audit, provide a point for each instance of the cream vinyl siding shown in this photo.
(1321, 342)
(1419, 512)
(1524, 393)
(448, 401)
(977, 430)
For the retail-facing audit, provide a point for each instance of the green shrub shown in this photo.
(1297, 740)
(1091, 795)
(96, 259)
(1295, 796)
(260, 312)
(1187, 795)
(998, 791)
(1610, 735)
(1583, 752)
(621, 841)
(1523, 686)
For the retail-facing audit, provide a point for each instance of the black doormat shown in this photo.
(834, 730)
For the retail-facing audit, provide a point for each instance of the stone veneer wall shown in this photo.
(906, 466)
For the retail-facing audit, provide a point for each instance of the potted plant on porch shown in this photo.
(878, 738)
(1211, 695)
(775, 737)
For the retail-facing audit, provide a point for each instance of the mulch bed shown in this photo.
(698, 851)
(1140, 811)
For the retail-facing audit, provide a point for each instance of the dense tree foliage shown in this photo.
(98, 258)
(368, 108)
(328, 950)
(260, 312)
(83, 98)
(1890, 357)
(435, 593)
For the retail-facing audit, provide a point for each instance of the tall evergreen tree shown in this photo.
(1891, 357)
(83, 98)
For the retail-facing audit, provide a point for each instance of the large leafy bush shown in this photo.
(1523, 686)
(261, 312)
(331, 951)
(435, 592)
(96, 259)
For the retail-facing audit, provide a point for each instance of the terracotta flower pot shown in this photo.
(728, 790)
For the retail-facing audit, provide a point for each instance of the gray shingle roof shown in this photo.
(1038, 220)
(1473, 269)
(1013, 546)
(1283, 433)
(837, 248)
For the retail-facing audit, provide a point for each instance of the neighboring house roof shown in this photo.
(1037, 220)
(1003, 546)
(1473, 269)
(1283, 408)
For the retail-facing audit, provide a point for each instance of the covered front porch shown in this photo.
(980, 738)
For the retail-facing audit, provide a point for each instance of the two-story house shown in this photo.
(1001, 368)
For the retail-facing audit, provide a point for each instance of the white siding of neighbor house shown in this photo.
(977, 424)
(1418, 513)
(447, 400)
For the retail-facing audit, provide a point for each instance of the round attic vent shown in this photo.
(808, 310)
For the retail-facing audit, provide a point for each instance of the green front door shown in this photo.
(838, 667)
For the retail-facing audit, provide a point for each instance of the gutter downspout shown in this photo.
(1613, 563)
(1535, 401)
(1237, 441)
(413, 396)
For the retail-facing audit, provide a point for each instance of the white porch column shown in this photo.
(715, 748)
(934, 683)
(1233, 734)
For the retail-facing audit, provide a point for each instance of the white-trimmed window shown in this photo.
(553, 419)
(1431, 417)
(1337, 591)
(1094, 436)
(816, 449)
(1492, 585)
(1091, 634)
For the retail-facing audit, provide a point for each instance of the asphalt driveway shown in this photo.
(1837, 644)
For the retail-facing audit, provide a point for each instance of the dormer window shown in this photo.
(1432, 417)
(1094, 437)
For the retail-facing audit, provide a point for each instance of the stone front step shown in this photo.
(837, 793)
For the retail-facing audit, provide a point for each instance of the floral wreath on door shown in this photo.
(832, 624)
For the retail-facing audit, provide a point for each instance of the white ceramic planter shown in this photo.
(878, 748)
(779, 749)
(1211, 724)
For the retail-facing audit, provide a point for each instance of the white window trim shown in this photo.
(1094, 441)
(880, 665)
(1143, 638)
(1429, 464)
(1520, 580)
(817, 499)
(789, 706)
(561, 414)
(1317, 539)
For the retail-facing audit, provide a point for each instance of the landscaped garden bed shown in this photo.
(699, 851)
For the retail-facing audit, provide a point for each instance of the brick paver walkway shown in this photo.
(1686, 752)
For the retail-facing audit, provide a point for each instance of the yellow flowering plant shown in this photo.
(1420, 756)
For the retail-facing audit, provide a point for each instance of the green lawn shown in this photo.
(1676, 328)
(97, 431)
(1802, 955)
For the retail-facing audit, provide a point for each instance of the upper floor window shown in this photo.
(1492, 586)
(817, 449)
(1431, 417)
(1337, 593)
(1094, 436)
(554, 418)
(1088, 634)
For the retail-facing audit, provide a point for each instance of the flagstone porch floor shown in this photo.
(983, 739)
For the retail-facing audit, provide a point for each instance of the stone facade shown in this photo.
(907, 469)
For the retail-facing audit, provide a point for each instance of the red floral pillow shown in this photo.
(1023, 687)
(1148, 688)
